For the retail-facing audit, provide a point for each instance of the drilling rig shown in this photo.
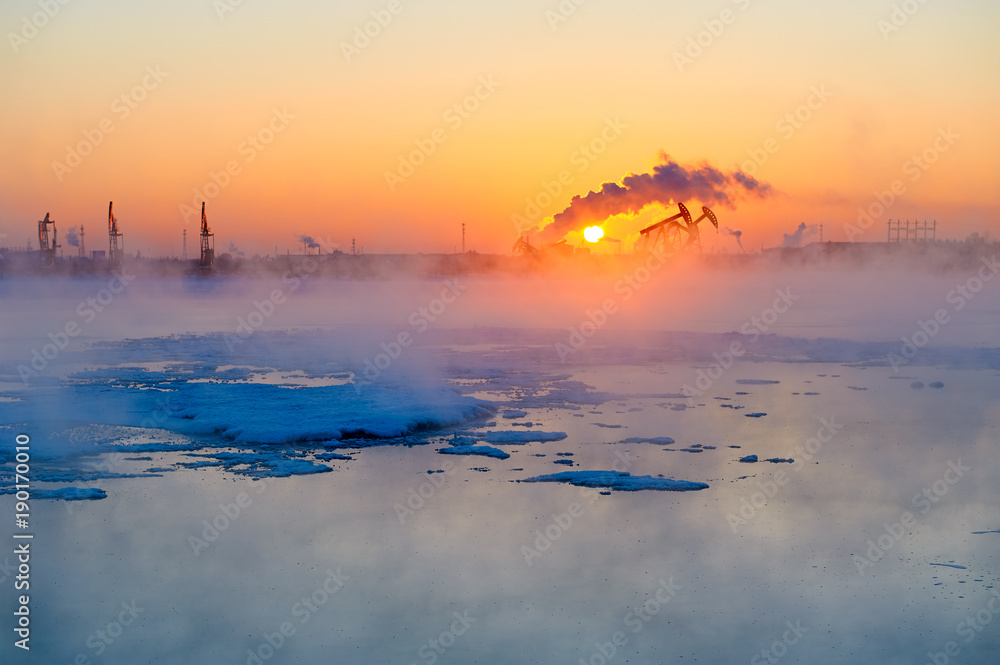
(116, 246)
(207, 242)
(47, 249)
(678, 233)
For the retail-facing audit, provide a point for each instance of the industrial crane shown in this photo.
(677, 233)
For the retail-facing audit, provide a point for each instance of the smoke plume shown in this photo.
(73, 238)
(308, 241)
(736, 234)
(235, 251)
(669, 182)
(795, 239)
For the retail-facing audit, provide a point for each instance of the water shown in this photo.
(824, 560)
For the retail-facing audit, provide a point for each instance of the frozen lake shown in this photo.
(272, 497)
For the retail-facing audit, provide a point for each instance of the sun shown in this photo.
(593, 233)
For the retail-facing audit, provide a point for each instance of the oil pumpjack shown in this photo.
(116, 246)
(207, 242)
(47, 247)
(677, 233)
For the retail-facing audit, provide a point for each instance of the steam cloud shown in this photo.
(736, 234)
(795, 239)
(73, 238)
(235, 251)
(669, 182)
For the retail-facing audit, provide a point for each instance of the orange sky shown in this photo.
(331, 121)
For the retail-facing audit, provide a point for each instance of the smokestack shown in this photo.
(308, 242)
(669, 182)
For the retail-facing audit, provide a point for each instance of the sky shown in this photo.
(287, 119)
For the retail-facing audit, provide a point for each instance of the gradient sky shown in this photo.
(323, 174)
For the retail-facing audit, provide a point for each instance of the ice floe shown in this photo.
(656, 440)
(617, 480)
(64, 493)
(487, 451)
(500, 436)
